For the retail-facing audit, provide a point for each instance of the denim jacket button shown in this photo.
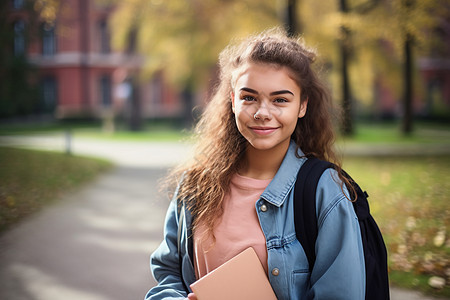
(263, 208)
(275, 272)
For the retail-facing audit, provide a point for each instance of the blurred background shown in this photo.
(101, 76)
(134, 61)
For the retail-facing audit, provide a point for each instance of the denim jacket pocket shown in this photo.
(300, 282)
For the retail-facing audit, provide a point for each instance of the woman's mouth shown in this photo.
(262, 130)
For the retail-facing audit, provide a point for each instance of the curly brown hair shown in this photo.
(220, 147)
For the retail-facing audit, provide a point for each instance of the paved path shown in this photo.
(92, 245)
(95, 243)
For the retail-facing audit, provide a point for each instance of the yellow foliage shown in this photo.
(185, 37)
(47, 9)
(377, 37)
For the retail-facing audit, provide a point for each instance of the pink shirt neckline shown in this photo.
(246, 182)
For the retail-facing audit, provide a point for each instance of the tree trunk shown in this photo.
(407, 126)
(290, 21)
(188, 100)
(347, 120)
(135, 107)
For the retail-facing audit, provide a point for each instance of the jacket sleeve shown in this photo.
(164, 261)
(339, 270)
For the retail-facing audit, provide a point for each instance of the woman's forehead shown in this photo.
(252, 66)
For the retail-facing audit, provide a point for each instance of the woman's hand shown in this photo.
(192, 296)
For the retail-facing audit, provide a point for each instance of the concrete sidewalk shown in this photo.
(95, 243)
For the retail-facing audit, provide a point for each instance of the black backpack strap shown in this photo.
(305, 218)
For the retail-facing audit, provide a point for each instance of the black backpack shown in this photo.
(375, 254)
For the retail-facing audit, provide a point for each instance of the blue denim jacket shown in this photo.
(338, 272)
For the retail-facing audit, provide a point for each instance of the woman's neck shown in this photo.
(263, 164)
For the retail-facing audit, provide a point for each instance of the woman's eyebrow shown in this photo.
(246, 89)
(281, 92)
(271, 94)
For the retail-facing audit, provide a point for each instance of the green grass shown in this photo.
(151, 131)
(390, 133)
(410, 199)
(45, 127)
(32, 179)
(417, 281)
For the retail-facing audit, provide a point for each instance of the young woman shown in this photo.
(270, 113)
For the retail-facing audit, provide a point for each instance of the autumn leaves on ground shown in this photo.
(409, 198)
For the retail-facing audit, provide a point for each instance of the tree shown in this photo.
(408, 76)
(409, 27)
(184, 37)
(344, 45)
(290, 18)
(385, 34)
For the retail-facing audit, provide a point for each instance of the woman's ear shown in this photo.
(232, 100)
(303, 107)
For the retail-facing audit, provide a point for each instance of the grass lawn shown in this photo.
(410, 199)
(151, 131)
(390, 133)
(30, 180)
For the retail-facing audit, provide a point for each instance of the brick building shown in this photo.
(78, 72)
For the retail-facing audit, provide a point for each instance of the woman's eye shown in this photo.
(248, 98)
(280, 100)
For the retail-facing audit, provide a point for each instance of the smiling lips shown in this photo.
(261, 130)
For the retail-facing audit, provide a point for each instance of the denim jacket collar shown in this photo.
(284, 180)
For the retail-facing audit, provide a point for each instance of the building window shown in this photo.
(19, 38)
(104, 37)
(18, 4)
(48, 40)
(105, 90)
(49, 94)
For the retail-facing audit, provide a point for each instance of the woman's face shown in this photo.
(266, 103)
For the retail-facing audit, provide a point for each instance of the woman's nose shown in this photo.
(263, 112)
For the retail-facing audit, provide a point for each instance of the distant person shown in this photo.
(269, 113)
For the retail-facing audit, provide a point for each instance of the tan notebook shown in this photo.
(241, 278)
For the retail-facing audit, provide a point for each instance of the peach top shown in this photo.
(235, 231)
